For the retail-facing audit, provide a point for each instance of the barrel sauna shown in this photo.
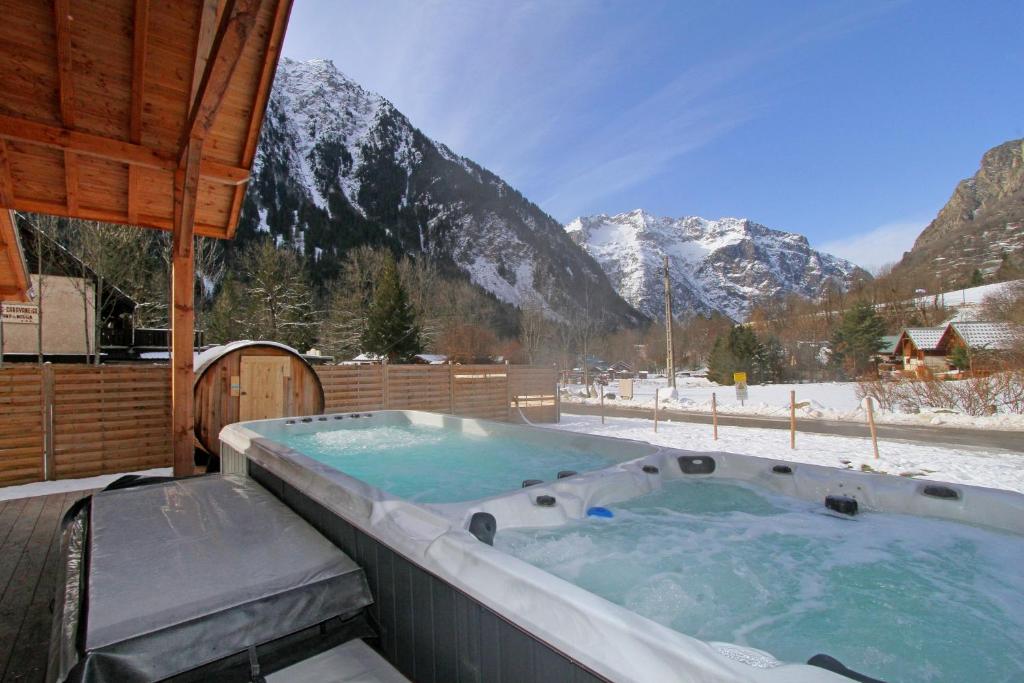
(247, 380)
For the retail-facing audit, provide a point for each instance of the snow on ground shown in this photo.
(963, 465)
(46, 488)
(827, 401)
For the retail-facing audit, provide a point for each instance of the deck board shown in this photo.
(29, 555)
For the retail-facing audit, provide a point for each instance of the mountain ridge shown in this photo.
(981, 227)
(725, 265)
(338, 166)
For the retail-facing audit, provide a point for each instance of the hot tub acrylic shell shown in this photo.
(605, 638)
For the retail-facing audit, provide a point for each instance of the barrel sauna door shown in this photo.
(262, 387)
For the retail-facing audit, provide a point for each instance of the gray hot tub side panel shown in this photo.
(184, 573)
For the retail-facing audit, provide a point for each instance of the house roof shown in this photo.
(14, 280)
(987, 335)
(925, 338)
(889, 342)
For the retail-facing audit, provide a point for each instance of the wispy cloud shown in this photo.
(878, 247)
(535, 90)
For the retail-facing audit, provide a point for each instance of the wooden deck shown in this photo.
(29, 553)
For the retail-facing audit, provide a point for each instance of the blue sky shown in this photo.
(849, 122)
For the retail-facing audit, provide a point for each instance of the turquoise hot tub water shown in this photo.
(896, 597)
(430, 464)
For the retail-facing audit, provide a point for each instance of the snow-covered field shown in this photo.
(980, 467)
(826, 401)
(46, 488)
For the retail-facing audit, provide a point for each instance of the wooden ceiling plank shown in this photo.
(62, 21)
(139, 41)
(71, 180)
(239, 17)
(6, 185)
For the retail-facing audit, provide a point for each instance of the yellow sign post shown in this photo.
(740, 380)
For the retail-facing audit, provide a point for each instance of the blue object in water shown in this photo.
(600, 512)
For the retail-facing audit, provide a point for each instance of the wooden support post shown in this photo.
(49, 462)
(792, 419)
(602, 404)
(451, 387)
(871, 424)
(714, 415)
(186, 181)
(386, 384)
(655, 410)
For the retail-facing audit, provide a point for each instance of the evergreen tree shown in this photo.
(858, 338)
(391, 328)
(976, 278)
(960, 358)
(737, 351)
(769, 361)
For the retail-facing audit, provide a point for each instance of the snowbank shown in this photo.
(826, 401)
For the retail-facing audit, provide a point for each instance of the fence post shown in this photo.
(602, 403)
(558, 395)
(655, 410)
(384, 380)
(792, 419)
(508, 391)
(451, 388)
(714, 415)
(871, 425)
(49, 466)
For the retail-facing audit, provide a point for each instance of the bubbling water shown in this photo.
(897, 597)
(437, 465)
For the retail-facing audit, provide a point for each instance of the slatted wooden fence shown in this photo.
(21, 425)
(62, 421)
(494, 392)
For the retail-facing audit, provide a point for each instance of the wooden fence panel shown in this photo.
(110, 419)
(352, 388)
(21, 425)
(418, 387)
(480, 391)
(533, 390)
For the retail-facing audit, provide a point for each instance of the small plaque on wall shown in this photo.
(236, 385)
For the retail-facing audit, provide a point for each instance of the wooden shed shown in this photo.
(249, 380)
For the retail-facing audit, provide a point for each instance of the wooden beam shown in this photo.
(237, 21)
(186, 184)
(22, 130)
(88, 213)
(209, 20)
(62, 20)
(272, 54)
(139, 39)
(6, 185)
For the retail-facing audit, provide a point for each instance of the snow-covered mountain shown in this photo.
(723, 265)
(338, 166)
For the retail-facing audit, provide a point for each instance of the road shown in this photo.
(948, 436)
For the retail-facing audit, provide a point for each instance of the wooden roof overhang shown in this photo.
(99, 100)
(14, 281)
(143, 112)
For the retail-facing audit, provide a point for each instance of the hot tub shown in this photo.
(452, 607)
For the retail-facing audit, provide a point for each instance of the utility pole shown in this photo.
(670, 364)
